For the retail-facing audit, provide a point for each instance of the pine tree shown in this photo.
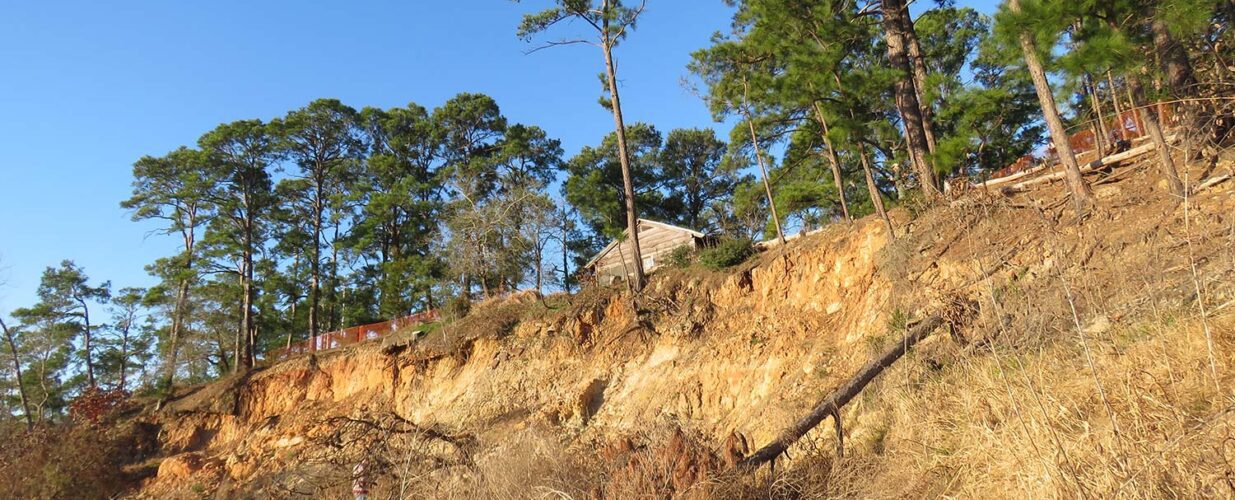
(65, 292)
(898, 35)
(400, 195)
(737, 75)
(1027, 35)
(10, 338)
(240, 155)
(174, 189)
(613, 22)
(323, 141)
(1105, 42)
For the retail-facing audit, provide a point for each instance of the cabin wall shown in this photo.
(656, 242)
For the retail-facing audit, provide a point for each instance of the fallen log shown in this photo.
(1211, 183)
(1088, 167)
(832, 404)
(1004, 180)
(1025, 173)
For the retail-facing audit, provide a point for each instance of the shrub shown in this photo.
(915, 203)
(94, 404)
(680, 257)
(458, 306)
(727, 253)
(72, 460)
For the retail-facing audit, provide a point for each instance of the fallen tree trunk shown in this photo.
(1019, 175)
(1031, 171)
(1211, 183)
(832, 404)
(1089, 167)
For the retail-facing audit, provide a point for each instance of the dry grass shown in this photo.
(1102, 374)
(532, 463)
(1035, 422)
(494, 318)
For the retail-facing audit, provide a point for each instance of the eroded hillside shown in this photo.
(1097, 362)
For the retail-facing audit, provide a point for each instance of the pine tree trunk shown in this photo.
(252, 344)
(291, 331)
(21, 386)
(1101, 138)
(42, 405)
(241, 333)
(565, 257)
(336, 319)
(182, 301)
(628, 187)
(1174, 59)
(124, 354)
(339, 325)
(1119, 113)
(88, 345)
(315, 272)
(1132, 106)
(837, 399)
(244, 345)
(836, 174)
(1149, 115)
(539, 275)
(907, 100)
(1082, 198)
(876, 196)
(1181, 80)
(182, 296)
(919, 76)
(763, 169)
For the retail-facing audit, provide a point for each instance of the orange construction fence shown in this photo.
(354, 335)
(1126, 126)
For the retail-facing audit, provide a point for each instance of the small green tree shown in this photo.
(10, 338)
(698, 179)
(45, 343)
(65, 291)
(131, 338)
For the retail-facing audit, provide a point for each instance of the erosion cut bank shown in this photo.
(1075, 328)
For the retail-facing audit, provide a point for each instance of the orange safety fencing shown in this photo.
(1124, 127)
(354, 335)
(1127, 126)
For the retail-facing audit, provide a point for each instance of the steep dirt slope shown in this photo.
(1042, 391)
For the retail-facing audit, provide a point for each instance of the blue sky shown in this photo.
(89, 87)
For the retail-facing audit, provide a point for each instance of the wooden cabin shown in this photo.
(656, 241)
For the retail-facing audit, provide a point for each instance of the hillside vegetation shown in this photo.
(1095, 363)
(939, 253)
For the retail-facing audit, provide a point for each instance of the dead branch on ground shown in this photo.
(838, 398)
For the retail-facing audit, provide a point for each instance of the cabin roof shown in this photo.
(661, 225)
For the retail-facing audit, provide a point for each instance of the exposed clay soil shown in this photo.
(601, 394)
